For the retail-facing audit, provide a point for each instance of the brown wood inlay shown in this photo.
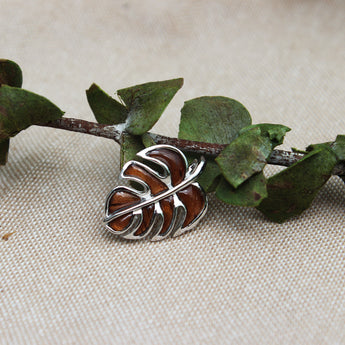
(147, 217)
(192, 196)
(122, 199)
(174, 162)
(194, 200)
(120, 223)
(119, 200)
(167, 206)
(155, 184)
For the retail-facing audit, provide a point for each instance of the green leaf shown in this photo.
(4, 147)
(146, 102)
(213, 119)
(130, 145)
(106, 109)
(210, 176)
(20, 109)
(296, 150)
(147, 140)
(274, 132)
(249, 193)
(292, 190)
(244, 157)
(248, 153)
(314, 147)
(339, 147)
(10, 73)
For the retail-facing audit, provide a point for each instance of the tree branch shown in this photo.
(278, 157)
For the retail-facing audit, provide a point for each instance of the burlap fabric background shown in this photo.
(237, 278)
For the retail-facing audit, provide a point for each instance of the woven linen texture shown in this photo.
(237, 278)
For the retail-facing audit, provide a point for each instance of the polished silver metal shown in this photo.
(146, 199)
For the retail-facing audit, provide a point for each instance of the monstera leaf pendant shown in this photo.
(166, 200)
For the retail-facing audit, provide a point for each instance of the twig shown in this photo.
(278, 157)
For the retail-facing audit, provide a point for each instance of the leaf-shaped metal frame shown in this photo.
(146, 198)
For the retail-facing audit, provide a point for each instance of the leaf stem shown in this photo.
(278, 157)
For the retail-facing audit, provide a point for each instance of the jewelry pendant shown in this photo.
(164, 199)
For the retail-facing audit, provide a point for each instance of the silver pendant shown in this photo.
(164, 199)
